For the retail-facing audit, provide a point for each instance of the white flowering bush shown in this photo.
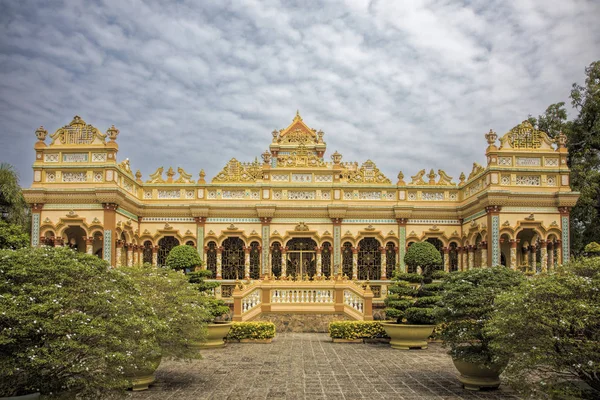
(551, 328)
(468, 301)
(68, 323)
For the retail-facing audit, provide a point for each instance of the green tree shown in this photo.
(584, 159)
(551, 328)
(183, 257)
(12, 236)
(424, 255)
(12, 202)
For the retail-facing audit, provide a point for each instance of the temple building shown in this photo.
(299, 214)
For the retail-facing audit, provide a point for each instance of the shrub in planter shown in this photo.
(468, 300)
(424, 255)
(183, 258)
(252, 331)
(178, 304)
(350, 330)
(551, 328)
(68, 323)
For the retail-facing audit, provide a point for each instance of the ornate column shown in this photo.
(383, 262)
(513, 253)
(354, 263)
(559, 255)
(460, 258)
(246, 262)
(471, 256)
(319, 261)
(402, 242)
(493, 236)
(89, 245)
(136, 255)
(129, 254)
(266, 246)
(337, 245)
(446, 259)
(110, 238)
(565, 236)
(283, 261)
(219, 262)
(36, 217)
(550, 256)
(544, 255)
(484, 254)
(154, 256)
(533, 256)
(200, 223)
(118, 253)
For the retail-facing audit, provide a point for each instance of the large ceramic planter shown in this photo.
(216, 334)
(475, 376)
(142, 379)
(406, 337)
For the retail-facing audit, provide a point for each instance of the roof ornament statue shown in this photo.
(418, 178)
(431, 177)
(112, 133)
(266, 156)
(444, 180)
(401, 179)
(491, 137)
(41, 133)
(336, 158)
(202, 175)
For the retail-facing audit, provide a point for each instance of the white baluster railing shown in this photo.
(297, 296)
(251, 301)
(353, 300)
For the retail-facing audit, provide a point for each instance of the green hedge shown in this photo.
(251, 330)
(356, 330)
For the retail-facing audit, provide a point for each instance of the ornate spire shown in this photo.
(112, 133)
(41, 133)
(491, 137)
(138, 176)
(297, 117)
(401, 179)
(202, 175)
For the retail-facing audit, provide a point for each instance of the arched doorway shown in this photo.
(390, 259)
(97, 244)
(347, 259)
(211, 258)
(453, 256)
(164, 247)
(233, 258)
(276, 259)
(369, 259)
(301, 257)
(528, 251)
(75, 238)
(254, 260)
(326, 269)
(147, 252)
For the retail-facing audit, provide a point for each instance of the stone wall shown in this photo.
(288, 322)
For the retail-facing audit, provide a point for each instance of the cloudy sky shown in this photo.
(408, 84)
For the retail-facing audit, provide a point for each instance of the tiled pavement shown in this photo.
(310, 366)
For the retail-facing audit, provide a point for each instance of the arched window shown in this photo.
(439, 246)
(453, 254)
(326, 260)
(276, 259)
(369, 259)
(211, 258)
(97, 244)
(190, 243)
(147, 252)
(75, 238)
(164, 247)
(347, 259)
(390, 259)
(233, 258)
(49, 238)
(301, 257)
(254, 260)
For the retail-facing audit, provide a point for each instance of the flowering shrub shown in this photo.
(69, 323)
(12, 236)
(181, 309)
(551, 328)
(356, 330)
(183, 257)
(468, 300)
(251, 330)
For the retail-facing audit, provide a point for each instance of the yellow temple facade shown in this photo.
(298, 214)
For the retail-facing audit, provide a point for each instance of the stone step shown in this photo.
(298, 322)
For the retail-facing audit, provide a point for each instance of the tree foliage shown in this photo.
(11, 197)
(69, 323)
(412, 299)
(183, 257)
(467, 304)
(215, 308)
(12, 236)
(551, 328)
(424, 255)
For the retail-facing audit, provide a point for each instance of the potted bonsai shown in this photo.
(180, 309)
(468, 300)
(412, 299)
(186, 258)
(70, 324)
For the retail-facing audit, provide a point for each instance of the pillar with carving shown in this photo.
(446, 259)
(89, 245)
(401, 242)
(110, 238)
(383, 262)
(550, 255)
(544, 255)
(471, 255)
(484, 254)
(559, 256)
(154, 256)
(136, 255)
(118, 253)
(565, 237)
(36, 216)
(247, 262)
(318, 250)
(266, 246)
(130, 254)
(337, 245)
(354, 263)
(219, 262)
(533, 257)
(513, 253)
(459, 249)
(284, 261)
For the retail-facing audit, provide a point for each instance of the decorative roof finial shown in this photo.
(170, 175)
(336, 157)
(401, 179)
(266, 156)
(561, 140)
(112, 133)
(431, 177)
(297, 117)
(41, 133)
(138, 176)
(462, 178)
(202, 175)
(491, 137)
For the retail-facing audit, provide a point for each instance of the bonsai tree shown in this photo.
(412, 301)
(70, 323)
(468, 301)
(592, 249)
(424, 255)
(184, 258)
(181, 309)
(551, 328)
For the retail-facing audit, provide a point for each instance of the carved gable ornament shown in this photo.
(367, 173)
(78, 132)
(526, 136)
(236, 171)
(301, 227)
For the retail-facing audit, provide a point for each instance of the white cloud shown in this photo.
(410, 85)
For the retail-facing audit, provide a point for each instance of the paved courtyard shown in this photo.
(310, 366)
